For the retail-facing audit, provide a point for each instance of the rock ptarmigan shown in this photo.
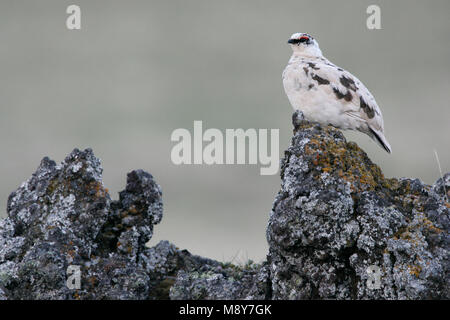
(328, 94)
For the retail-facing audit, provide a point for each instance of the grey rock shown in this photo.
(338, 224)
(3, 295)
(63, 216)
(338, 229)
(53, 220)
(224, 282)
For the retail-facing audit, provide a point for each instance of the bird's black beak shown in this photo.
(293, 41)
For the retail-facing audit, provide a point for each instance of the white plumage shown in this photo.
(328, 94)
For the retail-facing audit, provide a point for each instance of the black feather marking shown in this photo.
(347, 96)
(313, 65)
(367, 109)
(320, 80)
(348, 83)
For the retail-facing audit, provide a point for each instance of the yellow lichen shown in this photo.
(415, 270)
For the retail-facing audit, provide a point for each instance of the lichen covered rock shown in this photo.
(222, 282)
(63, 216)
(53, 219)
(340, 230)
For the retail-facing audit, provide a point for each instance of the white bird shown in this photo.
(328, 94)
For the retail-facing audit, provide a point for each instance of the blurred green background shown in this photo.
(137, 70)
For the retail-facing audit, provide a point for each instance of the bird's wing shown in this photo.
(342, 85)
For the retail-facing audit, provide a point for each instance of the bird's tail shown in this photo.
(379, 137)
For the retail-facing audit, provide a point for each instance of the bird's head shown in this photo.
(304, 44)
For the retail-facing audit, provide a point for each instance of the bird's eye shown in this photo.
(304, 39)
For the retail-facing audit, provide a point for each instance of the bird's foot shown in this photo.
(297, 118)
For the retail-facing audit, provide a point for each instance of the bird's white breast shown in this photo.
(317, 101)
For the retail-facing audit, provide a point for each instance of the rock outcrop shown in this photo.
(63, 216)
(338, 229)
